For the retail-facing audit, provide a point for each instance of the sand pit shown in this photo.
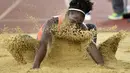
(8, 64)
(66, 55)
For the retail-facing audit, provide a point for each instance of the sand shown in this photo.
(70, 64)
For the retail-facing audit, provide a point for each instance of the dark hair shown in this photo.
(84, 5)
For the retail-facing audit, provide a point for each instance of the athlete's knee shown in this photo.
(91, 26)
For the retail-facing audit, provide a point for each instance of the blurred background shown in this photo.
(28, 13)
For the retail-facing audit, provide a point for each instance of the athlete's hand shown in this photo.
(38, 70)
